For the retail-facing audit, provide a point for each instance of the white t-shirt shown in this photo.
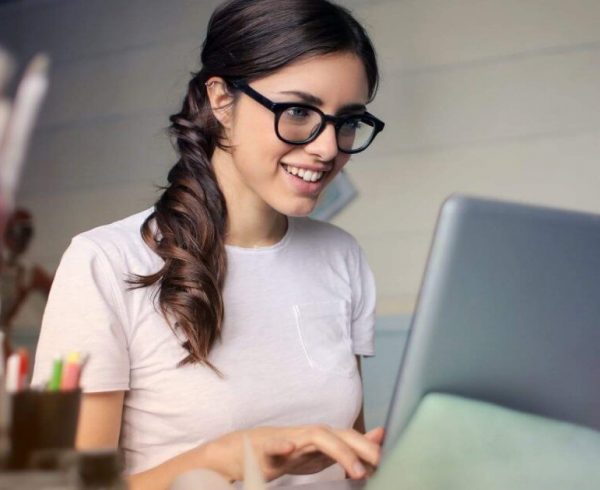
(296, 314)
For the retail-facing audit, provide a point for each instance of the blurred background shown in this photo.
(497, 98)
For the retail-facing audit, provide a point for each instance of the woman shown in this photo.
(232, 313)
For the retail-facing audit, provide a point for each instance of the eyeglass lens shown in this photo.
(299, 124)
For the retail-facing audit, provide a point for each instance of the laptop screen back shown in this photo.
(508, 312)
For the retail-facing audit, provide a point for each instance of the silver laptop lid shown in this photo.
(508, 312)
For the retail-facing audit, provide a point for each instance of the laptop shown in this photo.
(508, 312)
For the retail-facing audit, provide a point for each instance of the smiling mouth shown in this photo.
(303, 174)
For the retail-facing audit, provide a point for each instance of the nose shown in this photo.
(325, 145)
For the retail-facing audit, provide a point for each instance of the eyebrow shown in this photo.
(314, 100)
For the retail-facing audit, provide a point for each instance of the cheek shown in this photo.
(340, 161)
(254, 139)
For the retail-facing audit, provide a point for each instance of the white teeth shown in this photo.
(306, 175)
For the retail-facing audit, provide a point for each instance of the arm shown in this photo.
(163, 475)
(99, 427)
(280, 450)
(363, 319)
(359, 424)
(99, 422)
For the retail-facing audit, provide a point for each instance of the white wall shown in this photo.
(491, 97)
(119, 69)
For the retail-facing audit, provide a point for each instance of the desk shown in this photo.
(328, 485)
(37, 480)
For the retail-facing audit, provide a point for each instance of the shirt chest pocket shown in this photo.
(324, 330)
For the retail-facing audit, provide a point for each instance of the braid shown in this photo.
(190, 217)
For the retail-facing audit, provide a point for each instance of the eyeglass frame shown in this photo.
(278, 108)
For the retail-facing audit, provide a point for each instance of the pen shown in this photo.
(57, 369)
(13, 368)
(5, 407)
(23, 368)
(71, 372)
(2, 370)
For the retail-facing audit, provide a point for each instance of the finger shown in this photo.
(279, 447)
(370, 470)
(330, 444)
(376, 435)
(366, 449)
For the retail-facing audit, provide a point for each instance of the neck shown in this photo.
(251, 222)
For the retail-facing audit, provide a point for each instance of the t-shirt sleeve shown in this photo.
(363, 306)
(85, 313)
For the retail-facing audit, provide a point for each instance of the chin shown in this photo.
(298, 210)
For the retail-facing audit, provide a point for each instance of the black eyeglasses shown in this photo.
(299, 124)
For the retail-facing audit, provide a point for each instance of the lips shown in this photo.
(305, 184)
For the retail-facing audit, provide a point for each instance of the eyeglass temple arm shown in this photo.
(249, 91)
(379, 124)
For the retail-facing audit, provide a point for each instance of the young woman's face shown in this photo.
(264, 163)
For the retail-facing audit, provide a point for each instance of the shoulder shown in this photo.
(327, 234)
(120, 243)
(321, 230)
(120, 232)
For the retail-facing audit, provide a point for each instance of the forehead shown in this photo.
(337, 79)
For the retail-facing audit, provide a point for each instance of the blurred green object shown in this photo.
(454, 443)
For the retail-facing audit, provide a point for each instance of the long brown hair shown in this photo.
(246, 40)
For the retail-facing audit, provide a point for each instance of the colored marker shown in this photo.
(2, 367)
(55, 379)
(13, 368)
(4, 402)
(71, 372)
(23, 368)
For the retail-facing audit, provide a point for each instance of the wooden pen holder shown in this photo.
(41, 421)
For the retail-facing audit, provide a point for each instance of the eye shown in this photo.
(351, 124)
(298, 113)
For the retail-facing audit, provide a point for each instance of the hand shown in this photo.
(299, 450)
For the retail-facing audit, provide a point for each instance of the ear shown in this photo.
(221, 100)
